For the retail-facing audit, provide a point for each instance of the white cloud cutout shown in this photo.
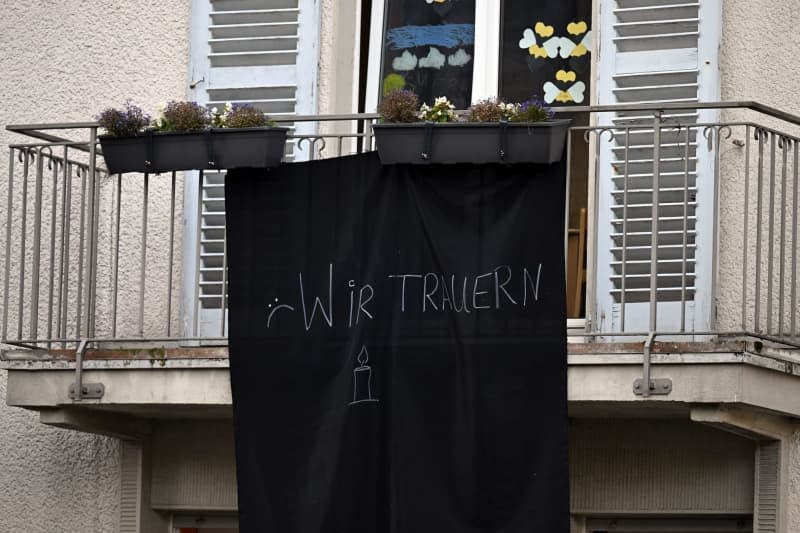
(407, 61)
(459, 59)
(434, 59)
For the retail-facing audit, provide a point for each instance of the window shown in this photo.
(428, 47)
(472, 49)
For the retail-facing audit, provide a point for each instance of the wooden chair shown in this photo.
(576, 266)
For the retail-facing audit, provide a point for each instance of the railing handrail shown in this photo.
(34, 130)
(714, 131)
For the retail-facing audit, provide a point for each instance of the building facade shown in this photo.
(695, 96)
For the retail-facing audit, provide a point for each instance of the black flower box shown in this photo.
(423, 143)
(200, 150)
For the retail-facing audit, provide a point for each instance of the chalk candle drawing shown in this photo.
(362, 379)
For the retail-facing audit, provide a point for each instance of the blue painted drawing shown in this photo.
(444, 35)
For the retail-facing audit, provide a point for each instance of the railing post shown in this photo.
(657, 121)
(37, 244)
(7, 256)
(566, 201)
(367, 136)
(92, 226)
(23, 217)
(715, 224)
(645, 386)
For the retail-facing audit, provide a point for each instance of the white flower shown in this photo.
(214, 111)
(228, 107)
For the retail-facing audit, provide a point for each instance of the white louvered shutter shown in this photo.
(655, 51)
(768, 459)
(130, 487)
(260, 52)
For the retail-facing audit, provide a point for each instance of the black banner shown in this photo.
(398, 347)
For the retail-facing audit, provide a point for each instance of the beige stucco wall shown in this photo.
(55, 479)
(793, 498)
(339, 40)
(757, 60)
(758, 63)
(64, 61)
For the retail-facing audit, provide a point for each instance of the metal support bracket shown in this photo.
(658, 387)
(89, 391)
(79, 390)
(654, 387)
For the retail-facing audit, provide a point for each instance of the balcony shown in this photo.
(682, 239)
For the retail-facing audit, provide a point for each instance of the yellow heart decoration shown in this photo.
(563, 75)
(542, 30)
(579, 51)
(537, 51)
(577, 28)
(564, 96)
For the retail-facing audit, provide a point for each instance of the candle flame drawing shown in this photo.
(362, 379)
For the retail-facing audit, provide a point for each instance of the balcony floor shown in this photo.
(193, 382)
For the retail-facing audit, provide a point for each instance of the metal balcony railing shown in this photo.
(692, 230)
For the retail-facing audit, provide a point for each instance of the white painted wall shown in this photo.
(65, 61)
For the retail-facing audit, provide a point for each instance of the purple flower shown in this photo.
(127, 121)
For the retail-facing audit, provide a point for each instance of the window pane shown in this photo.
(428, 48)
(545, 51)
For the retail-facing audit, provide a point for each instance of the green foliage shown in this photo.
(393, 82)
(441, 111)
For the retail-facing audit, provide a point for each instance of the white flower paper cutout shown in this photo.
(574, 94)
(528, 39)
